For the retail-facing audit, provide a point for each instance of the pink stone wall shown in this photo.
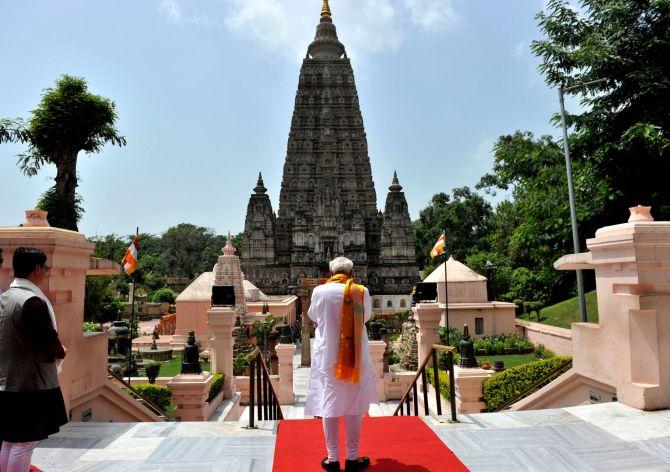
(498, 317)
(558, 340)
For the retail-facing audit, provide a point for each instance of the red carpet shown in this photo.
(393, 443)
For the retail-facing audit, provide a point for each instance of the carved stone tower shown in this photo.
(327, 202)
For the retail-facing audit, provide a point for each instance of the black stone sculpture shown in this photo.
(466, 350)
(191, 362)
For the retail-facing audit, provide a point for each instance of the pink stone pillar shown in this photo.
(285, 354)
(428, 316)
(628, 349)
(470, 388)
(189, 393)
(377, 349)
(221, 321)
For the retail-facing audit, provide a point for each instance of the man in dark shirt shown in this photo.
(31, 402)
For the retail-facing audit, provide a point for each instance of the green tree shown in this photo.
(466, 217)
(12, 131)
(68, 120)
(100, 303)
(533, 230)
(60, 212)
(624, 134)
(164, 295)
(190, 250)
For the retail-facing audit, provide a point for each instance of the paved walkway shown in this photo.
(609, 437)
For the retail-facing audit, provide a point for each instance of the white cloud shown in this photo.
(286, 27)
(432, 15)
(172, 11)
(520, 49)
(484, 151)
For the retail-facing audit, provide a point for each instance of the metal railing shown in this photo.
(561, 369)
(411, 395)
(158, 411)
(263, 400)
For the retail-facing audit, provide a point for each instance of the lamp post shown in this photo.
(489, 271)
(571, 192)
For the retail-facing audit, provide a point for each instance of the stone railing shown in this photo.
(558, 340)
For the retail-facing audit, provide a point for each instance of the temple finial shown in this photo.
(229, 249)
(325, 9)
(395, 185)
(260, 186)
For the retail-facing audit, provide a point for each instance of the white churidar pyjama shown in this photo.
(15, 457)
(331, 427)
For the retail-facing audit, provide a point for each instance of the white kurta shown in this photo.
(326, 396)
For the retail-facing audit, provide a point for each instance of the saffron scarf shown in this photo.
(348, 367)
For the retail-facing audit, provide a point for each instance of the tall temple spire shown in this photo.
(325, 9)
(260, 187)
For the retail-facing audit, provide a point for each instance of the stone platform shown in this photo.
(608, 437)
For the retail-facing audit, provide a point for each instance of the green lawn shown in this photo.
(566, 312)
(173, 367)
(510, 360)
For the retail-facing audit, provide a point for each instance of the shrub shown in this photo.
(505, 386)
(164, 295)
(152, 368)
(90, 327)
(444, 381)
(455, 336)
(542, 352)
(240, 363)
(215, 388)
(402, 316)
(158, 394)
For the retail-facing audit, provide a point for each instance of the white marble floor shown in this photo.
(609, 437)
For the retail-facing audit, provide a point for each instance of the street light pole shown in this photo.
(571, 194)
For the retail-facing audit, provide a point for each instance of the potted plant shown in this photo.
(241, 365)
(152, 368)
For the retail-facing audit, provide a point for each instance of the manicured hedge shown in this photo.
(444, 381)
(215, 387)
(158, 394)
(503, 387)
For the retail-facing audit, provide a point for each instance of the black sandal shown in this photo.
(334, 466)
(357, 464)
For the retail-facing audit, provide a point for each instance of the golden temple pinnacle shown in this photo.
(325, 10)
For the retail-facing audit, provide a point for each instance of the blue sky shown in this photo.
(205, 88)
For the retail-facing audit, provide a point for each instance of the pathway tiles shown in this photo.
(158, 447)
(582, 439)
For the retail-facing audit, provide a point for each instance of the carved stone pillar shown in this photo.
(469, 389)
(428, 316)
(189, 393)
(377, 349)
(285, 354)
(221, 321)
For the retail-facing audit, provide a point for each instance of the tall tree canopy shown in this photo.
(69, 119)
(464, 215)
(624, 133)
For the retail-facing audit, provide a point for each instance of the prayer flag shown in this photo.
(129, 261)
(440, 246)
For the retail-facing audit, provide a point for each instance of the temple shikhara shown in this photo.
(328, 202)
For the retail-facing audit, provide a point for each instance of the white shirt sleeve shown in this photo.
(313, 307)
(367, 305)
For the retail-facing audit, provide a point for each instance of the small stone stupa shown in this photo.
(228, 272)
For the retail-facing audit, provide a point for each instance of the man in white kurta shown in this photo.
(328, 397)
